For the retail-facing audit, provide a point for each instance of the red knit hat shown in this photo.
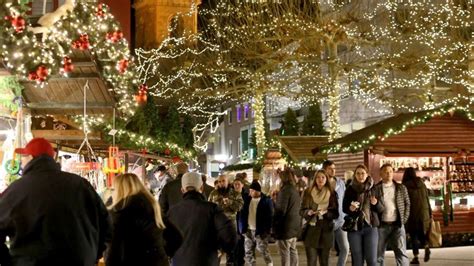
(36, 147)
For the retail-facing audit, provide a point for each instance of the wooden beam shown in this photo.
(66, 106)
(67, 121)
(70, 77)
(64, 135)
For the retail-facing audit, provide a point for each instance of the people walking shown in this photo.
(203, 225)
(319, 209)
(255, 223)
(230, 201)
(138, 237)
(51, 217)
(363, 236)
(171, 193)
(239, 252)
(419, 222)
(393, 207)
(287, 220)
(160, 179)
(338, 185)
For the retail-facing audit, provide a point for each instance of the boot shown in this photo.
(415, 261)
(427, 254)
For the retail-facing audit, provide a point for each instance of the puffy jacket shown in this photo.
(204, 229)
(287, 219)
(53, 217)
(402, 202)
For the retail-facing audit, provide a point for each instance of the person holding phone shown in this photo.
(319, 209)
(359, 203)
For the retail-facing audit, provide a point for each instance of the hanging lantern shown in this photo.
(112, 163)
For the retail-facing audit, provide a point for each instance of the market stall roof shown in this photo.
(65, 95)
(436, 132)
(299, 147)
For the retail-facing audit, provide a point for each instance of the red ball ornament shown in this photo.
(68, 68)
(18, 23)
(167, 151)
(32, 76)
(85, 45)
(176, 159)
(142, 88)
(42, 72)
(67, 60)
(101, 8)
(76, 44)
(122, 66)
(118, 35)
(141, 99)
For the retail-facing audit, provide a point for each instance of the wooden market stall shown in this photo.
(439, 143)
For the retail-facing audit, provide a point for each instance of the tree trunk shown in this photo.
(334, 94)
(258, 107)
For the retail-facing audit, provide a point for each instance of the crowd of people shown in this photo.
(56, 218)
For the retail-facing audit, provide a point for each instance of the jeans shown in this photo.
(312, 255)
(341, 239)
(288, 252)
(395, 235)
(364, 246)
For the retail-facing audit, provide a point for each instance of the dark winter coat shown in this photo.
(207, 190)
(171, 194)
(264, 216)
(402, 202)
(204, 228)
(53, 217)
(363, 197)
(420, 207)
(136, 239)
(320, 235)
(287, 219)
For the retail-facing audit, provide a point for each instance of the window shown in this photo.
(239, 146)
(229, 116)
(239, 113)
(244, 136)
(230, 148)
(246, 111)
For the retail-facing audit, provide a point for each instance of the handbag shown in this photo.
(435, 236)
(351, 223)
(303, 231)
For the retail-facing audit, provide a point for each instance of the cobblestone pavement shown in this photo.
(456, 256)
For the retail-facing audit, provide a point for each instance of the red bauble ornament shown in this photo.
(122, 66)
(18, 23)
(85, 45)
(76, 44)
(176, 159)
(118, 35)
(32, 76)
(141, 98)
(42, 72)
(167, 151)
(101, 10)
(143, 88)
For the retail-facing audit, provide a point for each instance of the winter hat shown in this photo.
(191, 180)
(36, 147)
(256, 186)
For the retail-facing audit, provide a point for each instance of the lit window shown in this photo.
(239, 113)
(246, 111)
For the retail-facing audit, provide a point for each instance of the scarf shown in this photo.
(362, 190)
(321, 197)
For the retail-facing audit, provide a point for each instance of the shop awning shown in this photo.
(299, 147)
(436, 132)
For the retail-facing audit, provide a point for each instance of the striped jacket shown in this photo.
(402, 201)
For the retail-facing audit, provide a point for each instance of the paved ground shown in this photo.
(457, 256)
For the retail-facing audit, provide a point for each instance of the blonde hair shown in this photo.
(129, 184)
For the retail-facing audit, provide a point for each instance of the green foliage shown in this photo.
(173, 126)
(187, 131)
(313, 122)
(9, 88)
(290, 125)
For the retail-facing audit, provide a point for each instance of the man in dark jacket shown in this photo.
(255, 224)
(391, 201)
(171, 193)
(51, 217)
(202, 224)
(287, 219)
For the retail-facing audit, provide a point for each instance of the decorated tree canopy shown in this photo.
(88, 27)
